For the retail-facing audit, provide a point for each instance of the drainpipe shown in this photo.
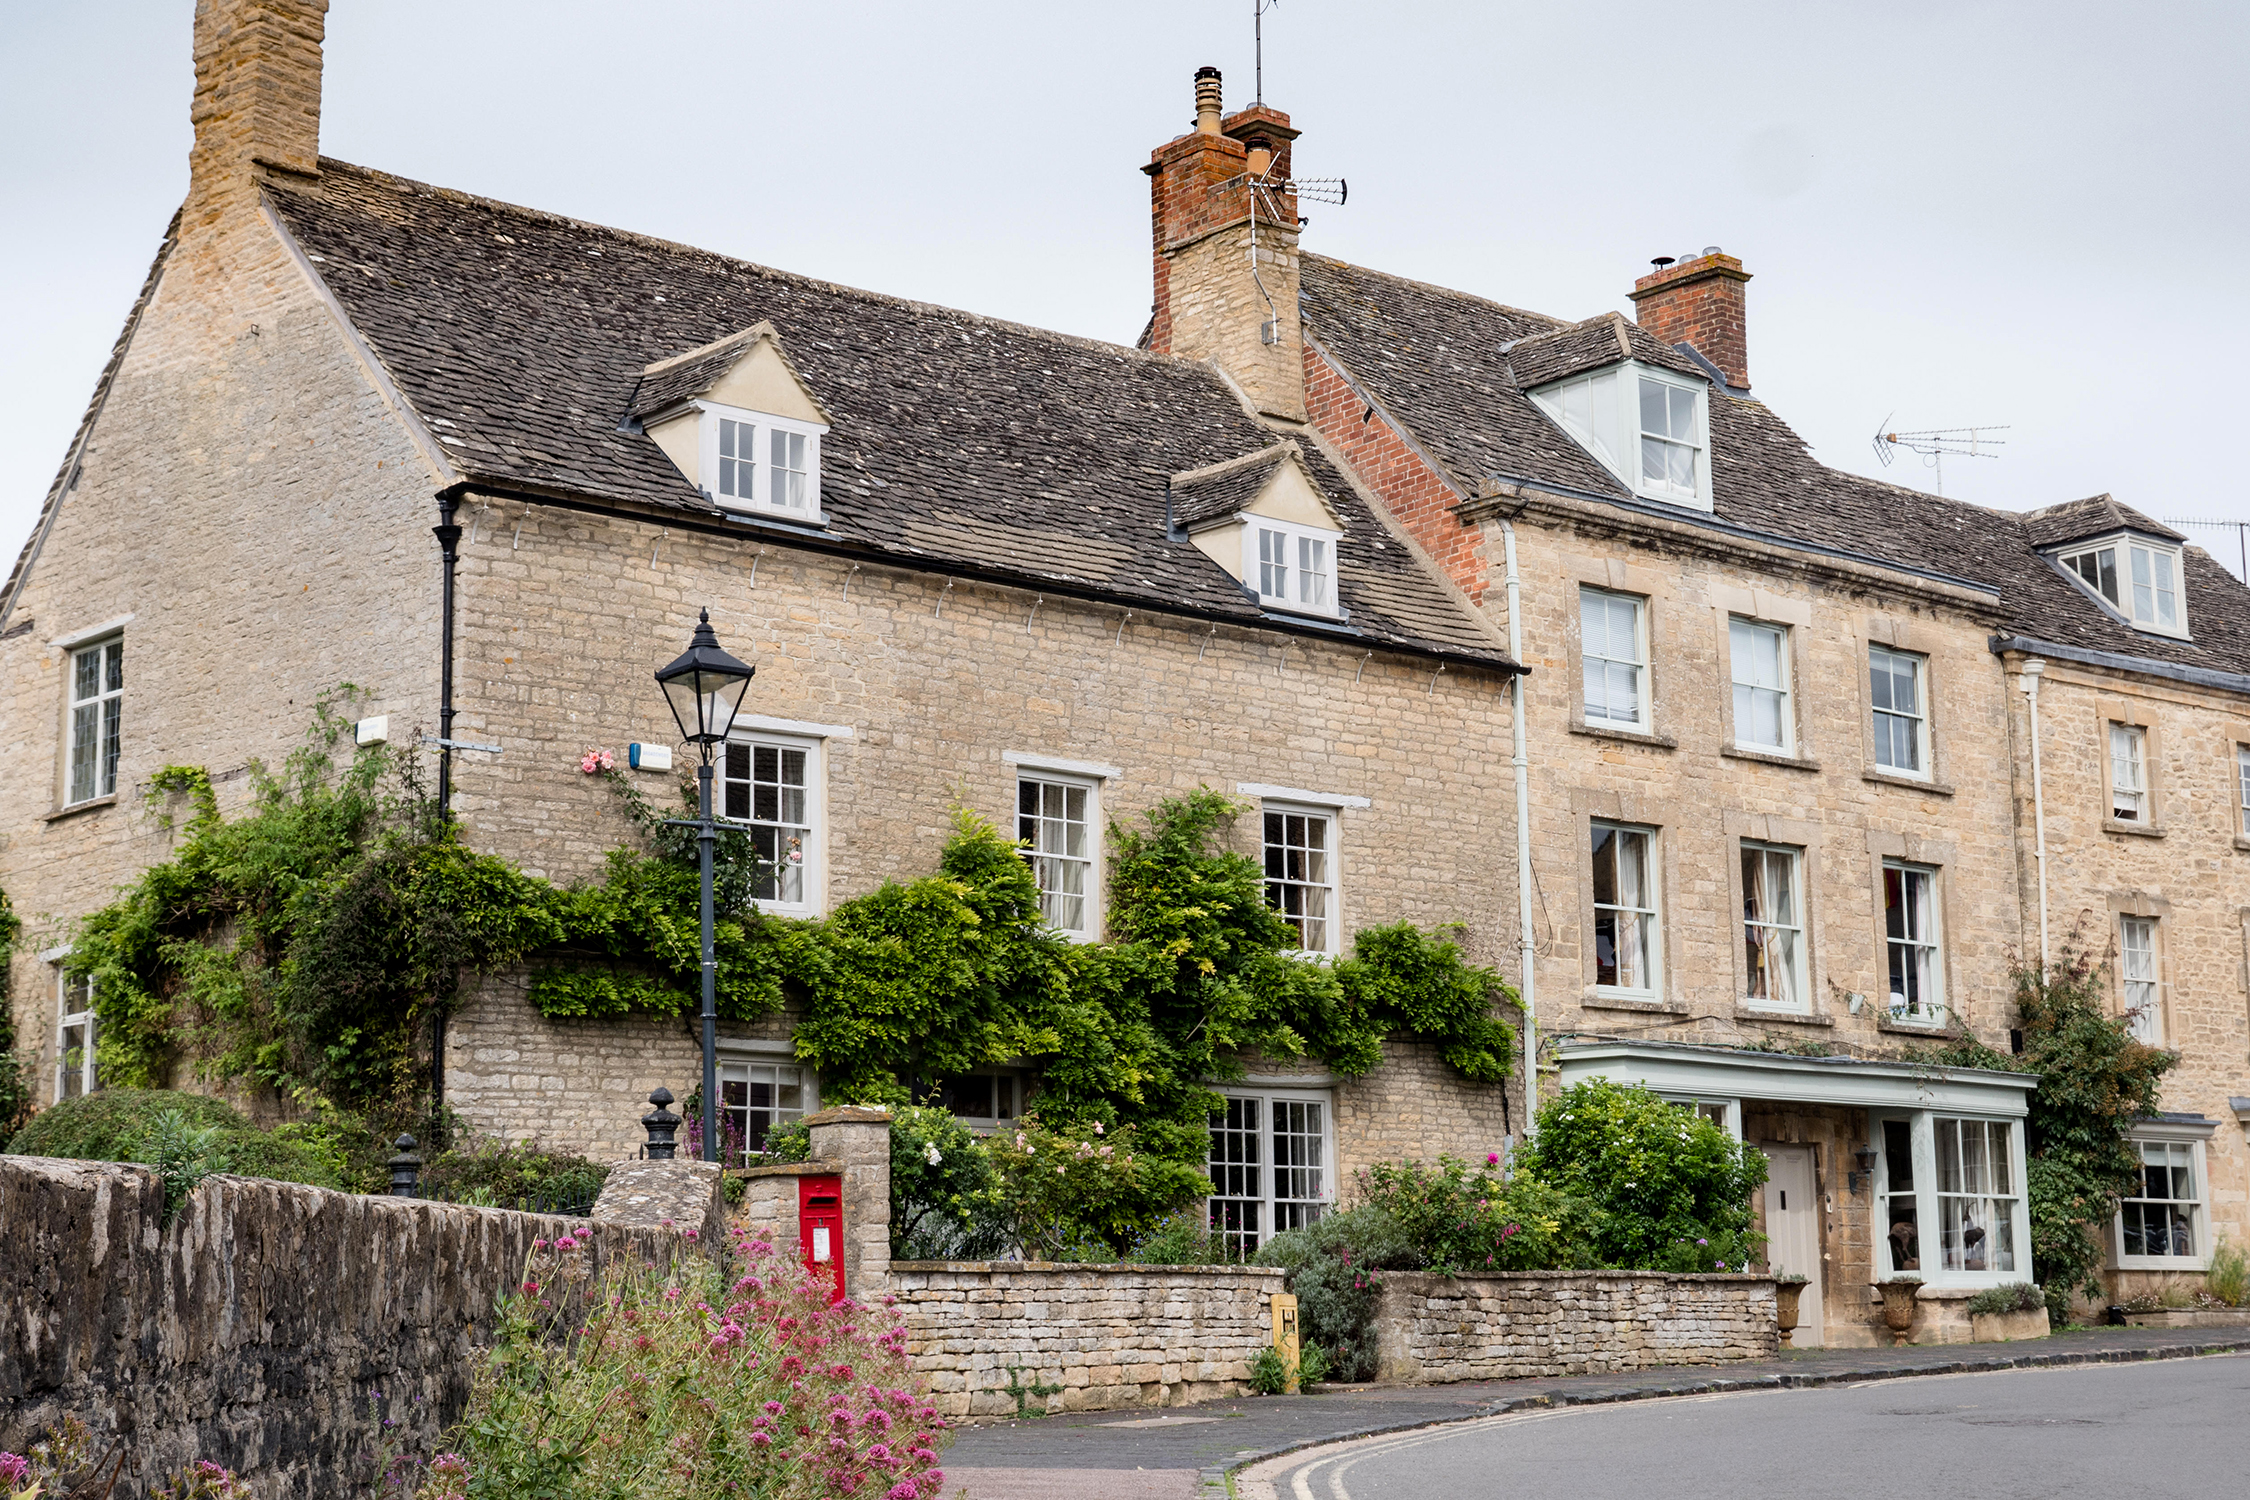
(449, 546)
(2032, 668)
(1528, 956)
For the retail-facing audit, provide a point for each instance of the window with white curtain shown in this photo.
(1625, 910)
(1759, 652)
(2137, 973)
(1613, 643)
(1950, 1199)
(1902, 727)
(1773, 926)
(1671, 439)
(1270, 1163)
(2161, 1217)
(2128, 773)
(1055, 818)
(1911, 933)
(1977, 1189)
(2140, 580)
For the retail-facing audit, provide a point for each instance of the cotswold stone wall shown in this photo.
(1536, 1323)
(252, 1330)
(1110, 1336)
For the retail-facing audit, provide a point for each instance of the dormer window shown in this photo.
(1296, 567)
(758, 461)
(1649, 427)
(1263, 519)
(2138, 579)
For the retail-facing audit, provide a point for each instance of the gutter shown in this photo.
(2146, 666)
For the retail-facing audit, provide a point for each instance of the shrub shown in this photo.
(683, 1385)
(1269, 1376)
(1334, 1267)
(2015, 1296)
(943, 1203)
(1670, 1189)
(1181, 1238)
(1059, 1188)
(498, 1175)
(2229, 1276)
(18, 1087)
(1460, 1221)
(120, 1124)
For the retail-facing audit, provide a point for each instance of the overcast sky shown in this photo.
(1955, 213)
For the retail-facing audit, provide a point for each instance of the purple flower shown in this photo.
(1492, 1158)
(13, 1467)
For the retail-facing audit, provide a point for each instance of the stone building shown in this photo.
(974, 563)
(1772, 791)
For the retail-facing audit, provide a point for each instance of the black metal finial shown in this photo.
(406, 1169)
(662, 1125)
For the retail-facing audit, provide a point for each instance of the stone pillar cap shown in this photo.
(850, 1114)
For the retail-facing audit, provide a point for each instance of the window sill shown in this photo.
(2241, 843)
(1794, 1017)
(1940, 1030)
(91, 804)
(1603, 1000)
(1770, 758)
(1912, 783)
(1630, 736)
(2159, 1263)
(2136, 830)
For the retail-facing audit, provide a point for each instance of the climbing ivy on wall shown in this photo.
(302, 944)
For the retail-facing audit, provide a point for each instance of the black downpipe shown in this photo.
(449, 544)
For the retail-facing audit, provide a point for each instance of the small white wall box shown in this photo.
(373, 731)
(649, 757)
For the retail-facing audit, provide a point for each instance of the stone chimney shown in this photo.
(257, 97)
(1210, 303)
(1699, 301)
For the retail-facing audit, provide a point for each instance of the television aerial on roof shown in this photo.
(1937, 444)
(1267, 190)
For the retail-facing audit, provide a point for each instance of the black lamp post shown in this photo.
(705, 688)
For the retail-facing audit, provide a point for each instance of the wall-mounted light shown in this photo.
(1865, 1156)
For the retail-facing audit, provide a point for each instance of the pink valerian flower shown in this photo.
(13, 1468)
(596, 761)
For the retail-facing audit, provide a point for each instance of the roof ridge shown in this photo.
(1272, 452)
(763, 328)
(1560, 324)
(655, 242)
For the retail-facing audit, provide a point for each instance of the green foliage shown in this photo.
(2014, 1296)
(1458, 1221)
(943, 1184)
(1670, 1190)
(1181, 1238)
(2095, 1079)
(2228, 1278)
(688, 1382)
(790, 1142)
(1335, 1268)
(18, 1075)
(1060, 1185)
(1269, 1373)
(499, 1175)
(122, 1124)
(183, 1156)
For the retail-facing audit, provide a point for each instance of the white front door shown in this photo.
(1793, 1232)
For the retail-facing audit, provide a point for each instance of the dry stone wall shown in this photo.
(254, 1329)
(1519, 1324)
(1110, 1336)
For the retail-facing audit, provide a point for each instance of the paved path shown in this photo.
(1176, 1454)
(2106, 1430)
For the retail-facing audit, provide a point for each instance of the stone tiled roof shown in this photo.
(1435, 360)
(958, 444)
(1200, 495)
(1607, 340)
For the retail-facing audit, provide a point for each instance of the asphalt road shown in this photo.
(2173, 1428)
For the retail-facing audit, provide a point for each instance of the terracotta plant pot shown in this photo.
(1785, 1295)
(1898, 1308)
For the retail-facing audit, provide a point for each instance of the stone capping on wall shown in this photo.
(1110, 1336)
(1508, 1325)
(676, 1194)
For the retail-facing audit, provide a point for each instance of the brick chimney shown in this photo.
(1699, 301)
(1209, 304)
(257, 97)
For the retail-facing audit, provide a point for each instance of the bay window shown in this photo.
(1625, 910)
(2139, 579)
(1269, 1166)
(1649, 427)
(1671, 439)
(1951, 1199)
(1613, 642)
(2161, 1222)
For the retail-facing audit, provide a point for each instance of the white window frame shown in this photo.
(1090, 910)
(2180, 1142)
(1696, 441)
(1921, 1132)
(2149, 576)
(1304, 591)
(2242, 788)
(2140, 976)
(745, 1068)
(1726, 1113)
(760, 498)
(1797, 928)
(1261, 1199)
(1601, 411)
(2129, 800)
(1602, 666)
(108, 705)
(812, 868)
(1912, 722)
(1333, 887)
(1744, 631)
(1649, 918)
(1901, 939)
(66, 1020)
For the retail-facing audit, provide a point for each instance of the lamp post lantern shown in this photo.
(705, 688)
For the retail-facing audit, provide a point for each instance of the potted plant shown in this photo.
(2017, 1310)
(1787, 1288)
(1899, 1293)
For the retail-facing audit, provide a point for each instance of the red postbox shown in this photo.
(820, 1230)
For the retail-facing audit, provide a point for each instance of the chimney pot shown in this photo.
(1261, 155)
(1207, 109)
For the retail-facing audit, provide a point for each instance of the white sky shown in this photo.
(2029, 214)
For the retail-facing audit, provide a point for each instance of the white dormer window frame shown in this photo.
(756, 462)
(1290, 566)
(2136, 578)
(1651, 428)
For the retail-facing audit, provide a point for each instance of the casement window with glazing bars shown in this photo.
(1269, 1166)
(1055, 821)
(97, 703)
(768, 785)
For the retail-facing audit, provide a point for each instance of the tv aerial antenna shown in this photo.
(1935, 445)
(1267, 190)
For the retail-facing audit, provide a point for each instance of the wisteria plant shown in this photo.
(686, 1383)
